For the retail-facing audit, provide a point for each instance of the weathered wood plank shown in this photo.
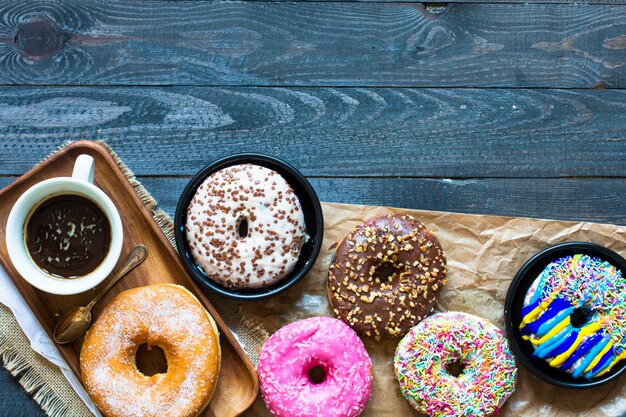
(312, 44)
(439, 7)
(571, 199)
(328, 132)
(589, 199)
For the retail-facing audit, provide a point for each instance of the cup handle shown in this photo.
(83, 168)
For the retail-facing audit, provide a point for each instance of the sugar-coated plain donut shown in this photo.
(485, 371)
(344, 383)
(163, 315)
(379, 306)
(266, 203)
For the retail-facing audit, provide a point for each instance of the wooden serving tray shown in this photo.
(237, 385)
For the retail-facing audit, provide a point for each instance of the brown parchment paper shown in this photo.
(484, 253)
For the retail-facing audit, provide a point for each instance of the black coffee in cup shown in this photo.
(68, 236)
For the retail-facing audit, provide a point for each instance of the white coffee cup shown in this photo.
(81, 183)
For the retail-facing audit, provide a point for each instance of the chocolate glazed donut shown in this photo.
(386, 276)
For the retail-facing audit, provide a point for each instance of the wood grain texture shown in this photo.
(312, 44)
(353, 143)
(583, 199)
(238, 385)
(599, 200)
(439, 7)
(328, 131)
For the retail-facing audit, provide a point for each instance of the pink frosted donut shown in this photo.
(317, 367)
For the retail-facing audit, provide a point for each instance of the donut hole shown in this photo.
(386, 272)
(317, 374)
(150, 360)
(242, 227)
(455, 367)
(579, 317)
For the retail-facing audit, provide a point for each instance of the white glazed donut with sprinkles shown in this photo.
(236, 256)
(455, 364)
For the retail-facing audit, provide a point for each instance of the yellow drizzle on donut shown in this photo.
(562, 324)
(584, 332)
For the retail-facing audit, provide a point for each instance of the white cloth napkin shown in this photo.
(39, 340)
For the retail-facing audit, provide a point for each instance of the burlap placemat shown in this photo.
(44, 381)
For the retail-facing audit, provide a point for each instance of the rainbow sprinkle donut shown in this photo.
(455, 364)
(575, 316)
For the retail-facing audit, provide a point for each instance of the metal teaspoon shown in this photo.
(76, 321)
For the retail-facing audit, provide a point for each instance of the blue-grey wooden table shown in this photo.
(496, 107)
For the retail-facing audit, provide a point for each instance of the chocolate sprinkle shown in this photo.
(275, 228)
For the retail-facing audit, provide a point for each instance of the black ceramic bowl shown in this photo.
(313, 219)
(515, 300)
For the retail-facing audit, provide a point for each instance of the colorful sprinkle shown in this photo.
(582, 283)
(485, 382)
